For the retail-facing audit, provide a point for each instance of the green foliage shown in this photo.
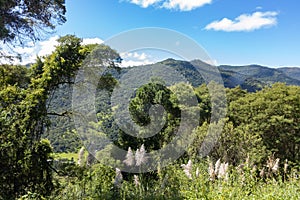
(145, 97)
(273, 113)
(11, 75)
(68, 156)
(86, 183)
(187, 69)
(23, 118)
(252, 81)
(105, 113)
(255, 77)
(172, 183)
(61, 131)
(204, 103)
(250, 78)
(257, 125)
(40, 174)
(234, 94)
(23, 20)
(144, 111)
(233, 145)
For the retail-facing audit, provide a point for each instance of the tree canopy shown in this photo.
(24, 99)
(21, 21)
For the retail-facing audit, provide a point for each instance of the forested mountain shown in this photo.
(255, 76)
(261, 123)
(168, 130)
(293, 72)
(250, 78)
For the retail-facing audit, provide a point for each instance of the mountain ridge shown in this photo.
(254, 78)
(251, 77)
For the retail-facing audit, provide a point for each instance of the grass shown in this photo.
(97, 182)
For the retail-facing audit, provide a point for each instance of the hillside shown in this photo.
(251, 78)
(261, 74)
(293, 72)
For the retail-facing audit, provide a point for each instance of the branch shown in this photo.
(63, 114)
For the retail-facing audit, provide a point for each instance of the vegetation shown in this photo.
(250, 78)
(206, 180)
(256, 155)
(24, 116)
(24, 20)
(246, 163)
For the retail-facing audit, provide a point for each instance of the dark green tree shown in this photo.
(21, 21)
(145, 111)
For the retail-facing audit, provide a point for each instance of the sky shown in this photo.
(235, 32)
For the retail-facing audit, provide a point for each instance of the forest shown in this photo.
(251, 150)
(255, 156)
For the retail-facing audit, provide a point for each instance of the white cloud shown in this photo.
(46, 47)
(132, 63)
(134, 55)
(92, 41)
(245, 22)
(135, 59)
(185, 5)
(144, 3)
(182, 5)
(40, 49)
(137, 56)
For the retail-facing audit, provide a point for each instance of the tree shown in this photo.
(11, 75)
(24, 117)
(24, 20)
(233, 145)
(146, 113)
(274, 114)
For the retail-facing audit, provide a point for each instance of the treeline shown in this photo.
(257, 125)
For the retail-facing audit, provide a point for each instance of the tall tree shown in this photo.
(24, 116)
(146, 113)
(21, 20)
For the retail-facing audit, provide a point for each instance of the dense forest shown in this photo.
(251, 78)
(257, 152)
(251, 151)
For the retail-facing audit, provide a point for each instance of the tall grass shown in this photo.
(188, 180)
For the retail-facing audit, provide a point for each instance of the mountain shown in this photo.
(250, 77)
(264, 75)
(293, 72)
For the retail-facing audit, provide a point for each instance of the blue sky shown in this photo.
(237, 32)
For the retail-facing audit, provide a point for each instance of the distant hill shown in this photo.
(261, 75)
(250, 77)
(293, 72)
